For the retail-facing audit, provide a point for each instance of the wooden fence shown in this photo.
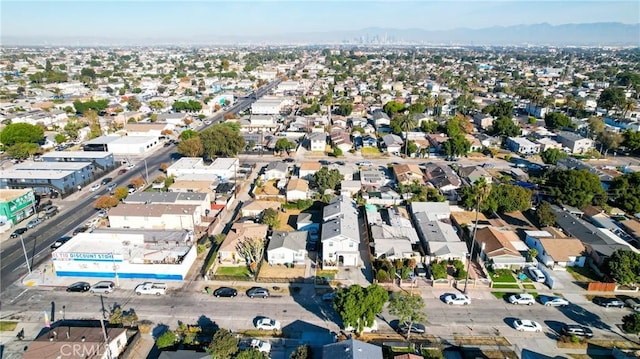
(601, 286)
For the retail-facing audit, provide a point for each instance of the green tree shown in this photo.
(223, 345)
(612, 98)
(557, 120)
(470, 195)
(610, 141)
(552, 155)
(576, 188)
(392, 107)
(409, 308)
(544, 215)
(507, 198)
(133, 104)
(429, 126)
(21, 133)
(283, 144)
(187, 134)
(302, 352)
(631, 140)
(631, 323)
(326, 179)
(191, 147)
(625, 192)
(596, 126)
(344, 109)
(222, 139)
(270, 218)
(156, 105)
(624, 266)
(499, 109)
(358, 306)
(121, 193)
(457, 146)
(337, 152)
(22, 151)
(60, 138)
(407, 124)
(504, 126)
(416, 108)
(167, 340)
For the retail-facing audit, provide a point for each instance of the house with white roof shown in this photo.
(556, 253)
(340, 234)
(287, 248)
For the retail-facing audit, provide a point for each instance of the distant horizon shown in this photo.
(184, 21)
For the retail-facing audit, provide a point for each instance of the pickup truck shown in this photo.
(151, 288)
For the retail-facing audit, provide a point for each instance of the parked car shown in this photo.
(18, 232)
(633, 303)
(34, 222)
(415, 328)
(267, 324)
(50, 211)
(225, 292)
(261, 345)
(102, 213)
(130, 166)
(524, 298)
(458, 299)
(551, 301)
(537, 275)
(122, 171)
(420, 270)
(102, 287)
(95, 187)
(57, 244)
(525, 325)
(151, 288)
(574, 329)
(111, 187)
(608, 302)
(79, 287)
(81, 230)
(106, 180)
(257, 292)
(289, 160)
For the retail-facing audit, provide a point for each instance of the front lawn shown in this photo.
(502, 276)
(241, 271)
(8, 326)
(506, 286)
(583, 274)
(370, 151)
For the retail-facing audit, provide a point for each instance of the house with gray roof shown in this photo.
(351, 349)
(575, 142)
(439, 238)
(442, 177)
(372, 176)
(276, 170)
(600, 243)
(392, 143)
(287, 247)
(340, 233)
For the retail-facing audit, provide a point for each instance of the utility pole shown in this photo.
(146, 171)
(26, 257)
(481, 187)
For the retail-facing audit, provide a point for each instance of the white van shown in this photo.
(372, 329)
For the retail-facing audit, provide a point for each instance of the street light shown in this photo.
(115, 269)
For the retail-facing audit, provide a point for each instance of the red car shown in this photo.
(122, 171)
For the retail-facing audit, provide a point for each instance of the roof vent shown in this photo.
(83, 339)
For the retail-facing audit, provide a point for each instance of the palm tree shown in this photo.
(438, 103)
(407, 123)
(428, 101)
(629, 106)
(481, 189)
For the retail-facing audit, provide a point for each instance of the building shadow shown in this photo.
(310, 298)
(309, 334)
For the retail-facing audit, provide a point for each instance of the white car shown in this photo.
(524, 325)
(458, 299)
(554, 301)
(537, 275)
(524, 298)
(267, 324)
(95, 187)
(261, 345)
(130, 166)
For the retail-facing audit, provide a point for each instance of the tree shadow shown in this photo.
(310, 298)
(207, 325)
(158, 330)
(556, 329)
(580, 315)
(307, 333)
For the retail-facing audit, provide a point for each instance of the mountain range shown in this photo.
(594, 34)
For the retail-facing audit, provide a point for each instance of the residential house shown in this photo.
(600, 243)
(275, 170)
(392, 143)
(381, 196)
(381, 119)
(340, 235)
(255, 208)
(574, 142)
(369, 140)
(372, 176)
(309, 222)
(317, 141)
(350, 187)
(220, 168)
(522, 145)
(306, 170)
(547, 144)
(500, 249)
(351, 349)
(442, 177)
(556, 253)
(408, 173)
(474, 173)
(297, 189)
(287, 248)
(482, 120)
(395, 237)
(228, 253)
(341, 140)
(203, 200)
(67, 341)
(489, 141)
(439, 238)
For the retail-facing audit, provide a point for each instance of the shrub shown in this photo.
(439, 270)
(631, 323)
(382, 275)
(166, 340)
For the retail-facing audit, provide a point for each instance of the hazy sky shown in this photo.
(182, 19)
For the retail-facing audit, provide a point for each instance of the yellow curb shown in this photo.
(30, 283)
